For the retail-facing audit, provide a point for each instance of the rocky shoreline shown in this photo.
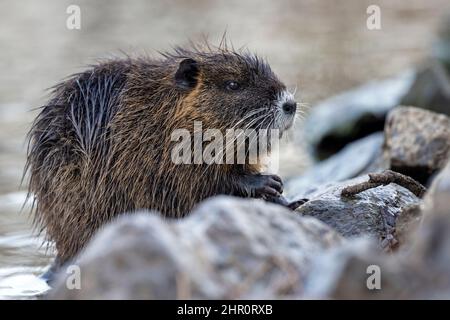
(231, 248)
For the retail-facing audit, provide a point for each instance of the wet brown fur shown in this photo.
(102, 145)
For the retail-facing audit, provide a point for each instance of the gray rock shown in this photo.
(351, 115)
(417, 141)
(421, 272)
(370, 213)
(227, 248)
(432, 241)
(407, 225)
(435, 248)
(431, 88)
(437, 199)
(357, 158)
(352, 270)
(343, 273)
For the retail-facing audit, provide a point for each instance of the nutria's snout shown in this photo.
(289, 107)
(286, 108)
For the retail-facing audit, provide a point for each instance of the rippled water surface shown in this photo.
(321, 47)
(23, 257)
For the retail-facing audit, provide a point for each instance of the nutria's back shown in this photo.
(103, 143)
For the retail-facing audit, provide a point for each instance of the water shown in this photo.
(321, 47)
(23, 257)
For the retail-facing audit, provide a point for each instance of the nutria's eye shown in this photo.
(232, 85)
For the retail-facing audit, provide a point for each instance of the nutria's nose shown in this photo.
(289, 107)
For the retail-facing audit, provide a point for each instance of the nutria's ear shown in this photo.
(187, 73)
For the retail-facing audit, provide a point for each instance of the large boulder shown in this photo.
(417, 142)
(226, 248)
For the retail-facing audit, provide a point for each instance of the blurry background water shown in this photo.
(320, 47)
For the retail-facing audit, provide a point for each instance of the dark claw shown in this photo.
(295, 204)
(282, 201)
(277, 178)
(270, 191)
(276, 185)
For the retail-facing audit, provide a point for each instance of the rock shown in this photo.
(407, 225)
(357, 158)
(417, 142)
(227, 248)
(435, 248)
(349, 116)
(349, 270)
(432, 245)
(421, 272)
(373, 212)
(430, 89)
(357, 270)
(437, 199)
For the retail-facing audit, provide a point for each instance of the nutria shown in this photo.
(102, 144)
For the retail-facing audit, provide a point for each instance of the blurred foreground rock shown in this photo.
(417, 142)
(433, 245)
(227, 248)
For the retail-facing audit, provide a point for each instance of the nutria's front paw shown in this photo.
(266, 186)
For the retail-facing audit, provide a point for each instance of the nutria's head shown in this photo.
(237, 90)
